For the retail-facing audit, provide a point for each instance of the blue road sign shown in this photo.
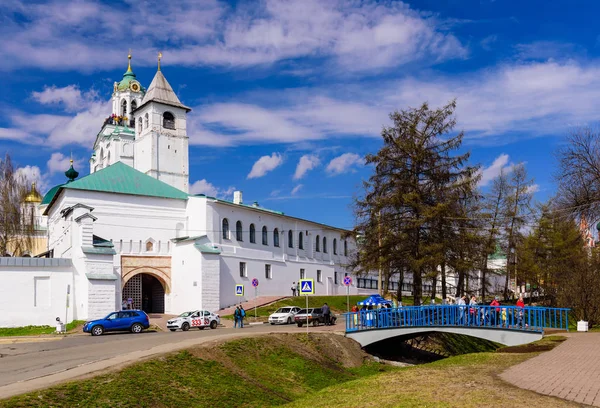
(255, 282)
(347, 280)
(307, 286)
(239, 290)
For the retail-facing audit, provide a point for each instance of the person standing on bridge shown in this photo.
(473, 310)
(462, 308)
(494, 313)
(520, 311)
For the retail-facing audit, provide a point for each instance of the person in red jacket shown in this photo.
(495, 313)
(520, 311)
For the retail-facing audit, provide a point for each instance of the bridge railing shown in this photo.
(534, 319)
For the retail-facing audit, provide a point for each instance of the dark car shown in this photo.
(126, 320)
(308, 316)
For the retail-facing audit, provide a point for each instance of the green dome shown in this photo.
(127, 78)
(71, 174)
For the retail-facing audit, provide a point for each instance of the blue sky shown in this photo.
(288, 96)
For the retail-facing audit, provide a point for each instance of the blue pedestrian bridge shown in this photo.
(508, 325)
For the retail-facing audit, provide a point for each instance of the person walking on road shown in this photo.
(236, 317)
(293, 288)
(242, 315)
(326, 314)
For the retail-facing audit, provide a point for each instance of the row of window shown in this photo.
(239, 236)
(269, 273)
(363, 283)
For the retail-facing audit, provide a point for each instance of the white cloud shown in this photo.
(296, 189)
(493, 170)
(209, 189)
(264, 165)
(534, 188)
(59, 163)
(32, 174)
(305, 164)
(69, 96)
(344, 163)
(358, 35)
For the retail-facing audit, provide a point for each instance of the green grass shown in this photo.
(295, 371)
(250, 372)
(36, 330)
(336, 303)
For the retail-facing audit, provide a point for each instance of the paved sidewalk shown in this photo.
(570, 371)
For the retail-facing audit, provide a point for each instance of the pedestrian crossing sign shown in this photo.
(239, 290)
(307, 286)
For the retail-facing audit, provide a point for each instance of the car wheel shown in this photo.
(299, 324)
(173, 329)
(315, 323)
(272, 324)
(213, 324)
(185, 326)
(97, 330)
(201, 328)
(137, 328)
(289, 320)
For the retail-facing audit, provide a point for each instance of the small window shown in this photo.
(302, 273)
(243, 271)
(276, 237)
(252, 234)
(324, 245)
(290, 239)
(225, 228)
(238, 231)
(268, 274)
(146, 121)
(168, 120)
(317, 243)
(335, 246)
(300, 241)
(335, 278)
(345, 248)
(319, 276)
(265, 236)
(140, 126)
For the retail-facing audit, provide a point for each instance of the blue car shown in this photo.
(130, 320)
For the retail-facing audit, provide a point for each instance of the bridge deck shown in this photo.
(528, 319)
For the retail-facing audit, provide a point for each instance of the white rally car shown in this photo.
(196, 318)
(284, 315)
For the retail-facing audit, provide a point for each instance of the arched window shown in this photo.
(140, 125)
(265, 236)
(300, 240)
(276, 237)
(290, 239)
(146, 120)
(168, 120)
(324, 245)
(225, 228)
(345, 248)
(133, 105)
(101, 155)
(123, 108)
(108, 159)
(317, 244)
(238, 231)
(252, 234)
(335, 246)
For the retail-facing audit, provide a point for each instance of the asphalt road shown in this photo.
(28, 366)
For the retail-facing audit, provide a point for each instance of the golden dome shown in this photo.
(33, 196)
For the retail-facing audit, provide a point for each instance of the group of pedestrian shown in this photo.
(295, 289)
(238, 317)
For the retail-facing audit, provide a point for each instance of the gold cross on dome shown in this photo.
(159, 57)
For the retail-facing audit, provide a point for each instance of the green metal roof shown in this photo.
(50, 194)
(120, 178)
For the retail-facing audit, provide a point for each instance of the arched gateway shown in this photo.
(146, 280)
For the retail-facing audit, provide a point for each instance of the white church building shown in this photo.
(131, 230)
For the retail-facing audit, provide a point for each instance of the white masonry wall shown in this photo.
(34, 291)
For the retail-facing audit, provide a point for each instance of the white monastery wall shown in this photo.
(34, 291)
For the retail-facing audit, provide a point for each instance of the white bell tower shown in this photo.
(161, 141)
